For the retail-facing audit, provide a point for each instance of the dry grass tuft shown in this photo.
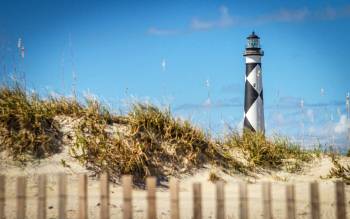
(339, 171)
(214, 176)
(27, 128)
(263, 152)
(64, 106)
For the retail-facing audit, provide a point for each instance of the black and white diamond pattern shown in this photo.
(253, 104)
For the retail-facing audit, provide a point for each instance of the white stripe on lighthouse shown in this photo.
(252, 59)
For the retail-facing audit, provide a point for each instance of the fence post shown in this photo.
(21, 197)
(340, 200)
(151, 197)
(83, 204)
(290, 196)
(197, 201)
(127, 197)
(266, 192)
(42, 197)
(243, 201)
(62, 195)
(315, 201)
(220, 200)
(2, 196)
(104, 184)
(174, 199)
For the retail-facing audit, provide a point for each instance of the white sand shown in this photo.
(53, 165)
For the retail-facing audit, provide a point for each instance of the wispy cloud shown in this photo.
(198, 24)
(323, 122)
(162, 32)
(291, 102)
(225, 20)
(232, 102)
(284, 15)
(310, 115)
(331, 13)
(232, 88)
(305, 14)
(342, 126)
(287, 15)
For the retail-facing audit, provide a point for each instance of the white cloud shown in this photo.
(312, 130)
(310, 115)
(198, 24)
(278, 119)
(162, 32)
(225, 20)
(207, 103)
(235, 88)
(342, 126)
(284, 15)
(331, 13)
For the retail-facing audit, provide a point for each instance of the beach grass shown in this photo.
(146, 141)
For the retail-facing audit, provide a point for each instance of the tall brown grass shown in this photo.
(156, 144)
(152, 141)
(260, 151)
(338, 170)
(27, 128)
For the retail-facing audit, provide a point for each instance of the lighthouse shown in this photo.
(253, 101)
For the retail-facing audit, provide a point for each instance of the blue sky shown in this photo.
(165, 51)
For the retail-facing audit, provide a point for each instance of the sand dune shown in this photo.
(53, 165)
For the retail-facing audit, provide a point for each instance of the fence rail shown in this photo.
(151, 186)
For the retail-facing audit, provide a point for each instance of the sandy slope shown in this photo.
(319, 167)
(51, 166)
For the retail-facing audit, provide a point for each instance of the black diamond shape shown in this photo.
(250, 96)
(261, 95)
(247, 125)
(249, 67)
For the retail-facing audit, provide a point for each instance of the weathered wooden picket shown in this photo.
(151, 185)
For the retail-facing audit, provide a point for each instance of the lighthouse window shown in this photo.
(253, 43)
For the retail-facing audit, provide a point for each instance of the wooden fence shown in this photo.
(151, 183)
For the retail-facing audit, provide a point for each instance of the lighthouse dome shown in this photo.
(253, 36)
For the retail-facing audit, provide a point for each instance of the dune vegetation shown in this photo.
(145, 141)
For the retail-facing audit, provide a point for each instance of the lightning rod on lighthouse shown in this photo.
(253, 101)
